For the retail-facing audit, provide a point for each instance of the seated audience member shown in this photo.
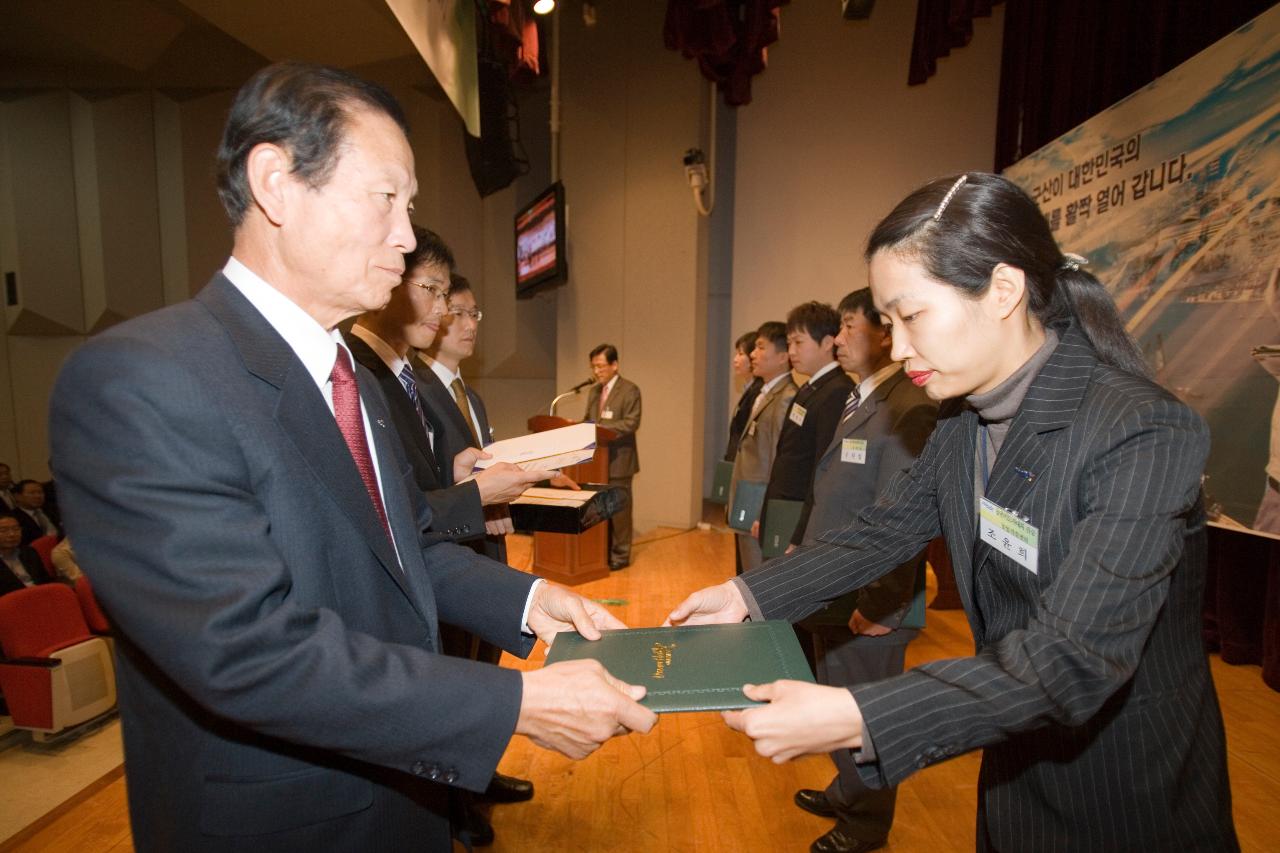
(6, 488)
(64, 561)
(20, 565)
(29, 496)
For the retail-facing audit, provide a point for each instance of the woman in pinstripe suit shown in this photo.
(1067, 485)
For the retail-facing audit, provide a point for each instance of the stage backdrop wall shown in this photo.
(1174, 196)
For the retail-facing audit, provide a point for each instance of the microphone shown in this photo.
(574, 390)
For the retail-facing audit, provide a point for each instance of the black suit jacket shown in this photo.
(742, 414)
(454, 434)
(1089, 689)
(455, 509)
(31, 530)
(799, 444)
(894, 420)
(280, 686)
(32, 563)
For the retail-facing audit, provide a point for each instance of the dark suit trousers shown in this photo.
(845, 660)
(620, 526)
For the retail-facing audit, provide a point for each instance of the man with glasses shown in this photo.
(464, 419)
(240, 497)
(384, 341)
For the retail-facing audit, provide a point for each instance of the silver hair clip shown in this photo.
(946, 199)
(1072, 261)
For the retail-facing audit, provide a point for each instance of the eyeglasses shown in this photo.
(474, 313)
(435, 291)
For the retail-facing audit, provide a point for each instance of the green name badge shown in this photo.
(1016, 538)
(854, 450)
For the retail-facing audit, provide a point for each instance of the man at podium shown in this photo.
(614, 403)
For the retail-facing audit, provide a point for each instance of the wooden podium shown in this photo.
(574, 558)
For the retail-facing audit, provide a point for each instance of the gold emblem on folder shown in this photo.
(662, 658)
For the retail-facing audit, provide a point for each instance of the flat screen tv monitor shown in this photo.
(540, 230)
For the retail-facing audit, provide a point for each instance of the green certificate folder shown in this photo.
(780, 522)
(748, 497)
(695, 668)
(720, 486)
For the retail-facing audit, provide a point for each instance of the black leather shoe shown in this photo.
(508, 789)
(815, 802)
(478, 829)
(839, 840)
(614, 567)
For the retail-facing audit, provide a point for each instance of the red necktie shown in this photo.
(346, 410)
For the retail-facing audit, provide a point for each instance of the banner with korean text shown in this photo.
(1173, 195)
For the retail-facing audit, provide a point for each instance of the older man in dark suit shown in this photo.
(614, 403)
(863, 636)
(239, 496)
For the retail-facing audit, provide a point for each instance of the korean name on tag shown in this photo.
(607, 414)
(797, 414)
(1016, 538)
(854, 450)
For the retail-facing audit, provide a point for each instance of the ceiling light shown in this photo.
(544, 7)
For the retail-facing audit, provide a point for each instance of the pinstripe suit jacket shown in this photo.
(1089, 689)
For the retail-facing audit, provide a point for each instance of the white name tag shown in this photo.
(797, 414)
(854, 450)
(607, 414)
(1017, 539)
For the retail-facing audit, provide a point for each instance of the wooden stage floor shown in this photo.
(693, 785)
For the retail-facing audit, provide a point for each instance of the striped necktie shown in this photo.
(851, 404)
(411, 388)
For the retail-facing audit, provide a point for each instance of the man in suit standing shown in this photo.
(384, 341)
(814, 411)
(750, 390)
(614, 403)
(247, 513)
(464, 424)
(28, 495)
(458, 406)
(20, 565)
(863, 636)
(754, 460)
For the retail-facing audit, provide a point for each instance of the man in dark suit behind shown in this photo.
(385, 342)
(28, 498)
(253, 528)
(614, 403)
(20, 565)
(814, 411)
(863, 636)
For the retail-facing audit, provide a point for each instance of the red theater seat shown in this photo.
(54, 673)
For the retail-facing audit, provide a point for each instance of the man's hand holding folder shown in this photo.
(575, 706)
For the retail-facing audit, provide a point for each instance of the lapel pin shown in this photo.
(1025, 474)
(382, 423)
